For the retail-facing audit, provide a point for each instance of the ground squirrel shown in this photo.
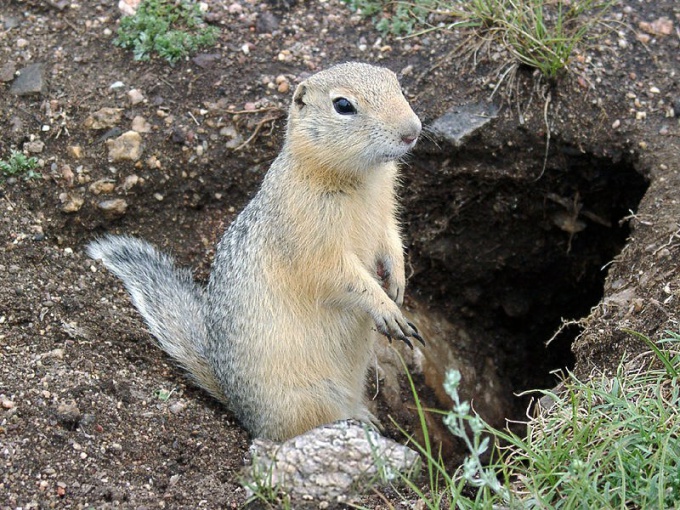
(305, 275)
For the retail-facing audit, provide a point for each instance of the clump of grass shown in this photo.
(541, 34)
(171, 29)
(609, 442)
(18, 164)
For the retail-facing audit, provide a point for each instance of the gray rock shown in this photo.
(31, 80)
(333, 462)
(460, 122)
(7, 71)
(206, 60)
(266, 23)
(11, 22)
(35, 147)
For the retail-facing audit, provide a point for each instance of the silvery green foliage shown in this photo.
(461, 419)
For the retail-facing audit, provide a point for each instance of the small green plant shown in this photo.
(396, 18)
(450, 490)
(610, 442)
(262, 489)
(163, 395)
(19, 164)
(172, 29)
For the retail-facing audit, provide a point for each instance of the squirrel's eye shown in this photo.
(344, 106)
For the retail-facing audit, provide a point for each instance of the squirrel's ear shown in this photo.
(299, 96)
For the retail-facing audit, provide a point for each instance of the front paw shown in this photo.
(392, 323)
(393, 281)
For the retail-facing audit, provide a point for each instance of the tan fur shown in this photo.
(295, 295)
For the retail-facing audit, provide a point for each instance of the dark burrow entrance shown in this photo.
(507, 252)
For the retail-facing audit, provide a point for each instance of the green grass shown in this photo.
(537, 33)
(171, 29)
(612, 442)
(18, 164)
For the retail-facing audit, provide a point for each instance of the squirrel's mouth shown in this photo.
(396, 154)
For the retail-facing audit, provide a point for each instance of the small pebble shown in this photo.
(113, 208)
(140, 125)
(643, 38)
(68, 175)
(177, 407)
(127, 146)
(71, 202)
(56, 353)
(75, 151)
(35, 147)
(130, 182)
(102, 186)
(135, 97)
(104, 118)
(68, 416)
(235, 8)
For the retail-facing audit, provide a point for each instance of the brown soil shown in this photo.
(500, 244)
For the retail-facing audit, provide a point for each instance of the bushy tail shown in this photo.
(171, 303)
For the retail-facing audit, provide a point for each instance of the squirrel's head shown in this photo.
(351, 117)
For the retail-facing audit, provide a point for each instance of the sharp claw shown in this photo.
(413, 327)
(406, 341)
(403, 331)
(418, 337)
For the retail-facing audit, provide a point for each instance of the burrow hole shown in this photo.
(509, 256)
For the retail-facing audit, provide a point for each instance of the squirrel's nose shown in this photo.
(411, 134)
